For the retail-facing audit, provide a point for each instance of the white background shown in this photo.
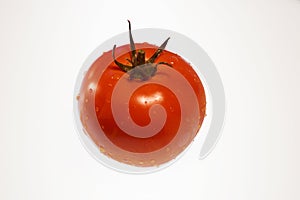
(254, 44)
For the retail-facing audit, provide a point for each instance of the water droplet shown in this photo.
(109, 154)
(110, 85)
(171, 109)
(196, 80)
(172, 63)
(115, 77)
(126, 160)
(86, 117)
(174, 58)
(167, 149)
(84, 126)
(152, 161)
(97, 109)
(86, 100)
(102, 126)
(102, 149)
(141, 162)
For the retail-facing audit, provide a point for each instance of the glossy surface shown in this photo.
(142, 123)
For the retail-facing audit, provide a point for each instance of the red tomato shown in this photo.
(142, 123)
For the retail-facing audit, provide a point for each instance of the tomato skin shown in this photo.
(98, 118)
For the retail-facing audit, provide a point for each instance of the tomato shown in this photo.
(141, 120)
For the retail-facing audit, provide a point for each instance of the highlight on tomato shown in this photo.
(141, 104)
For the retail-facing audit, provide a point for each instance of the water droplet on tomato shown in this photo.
(174, 58)
(109, 154)
(84, 125)
(115, 77)
(86, 117)
(86, 100)
(126, 160)
(102, 149)
(109, 85)
(141, 162)
(97, 109)
(102, 126)
(152, 161)
(171, 109)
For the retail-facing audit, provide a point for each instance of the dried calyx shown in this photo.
(141, 68)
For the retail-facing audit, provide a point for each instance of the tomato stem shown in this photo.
(140, 57)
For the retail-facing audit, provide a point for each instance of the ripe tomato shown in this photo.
(141, 122)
